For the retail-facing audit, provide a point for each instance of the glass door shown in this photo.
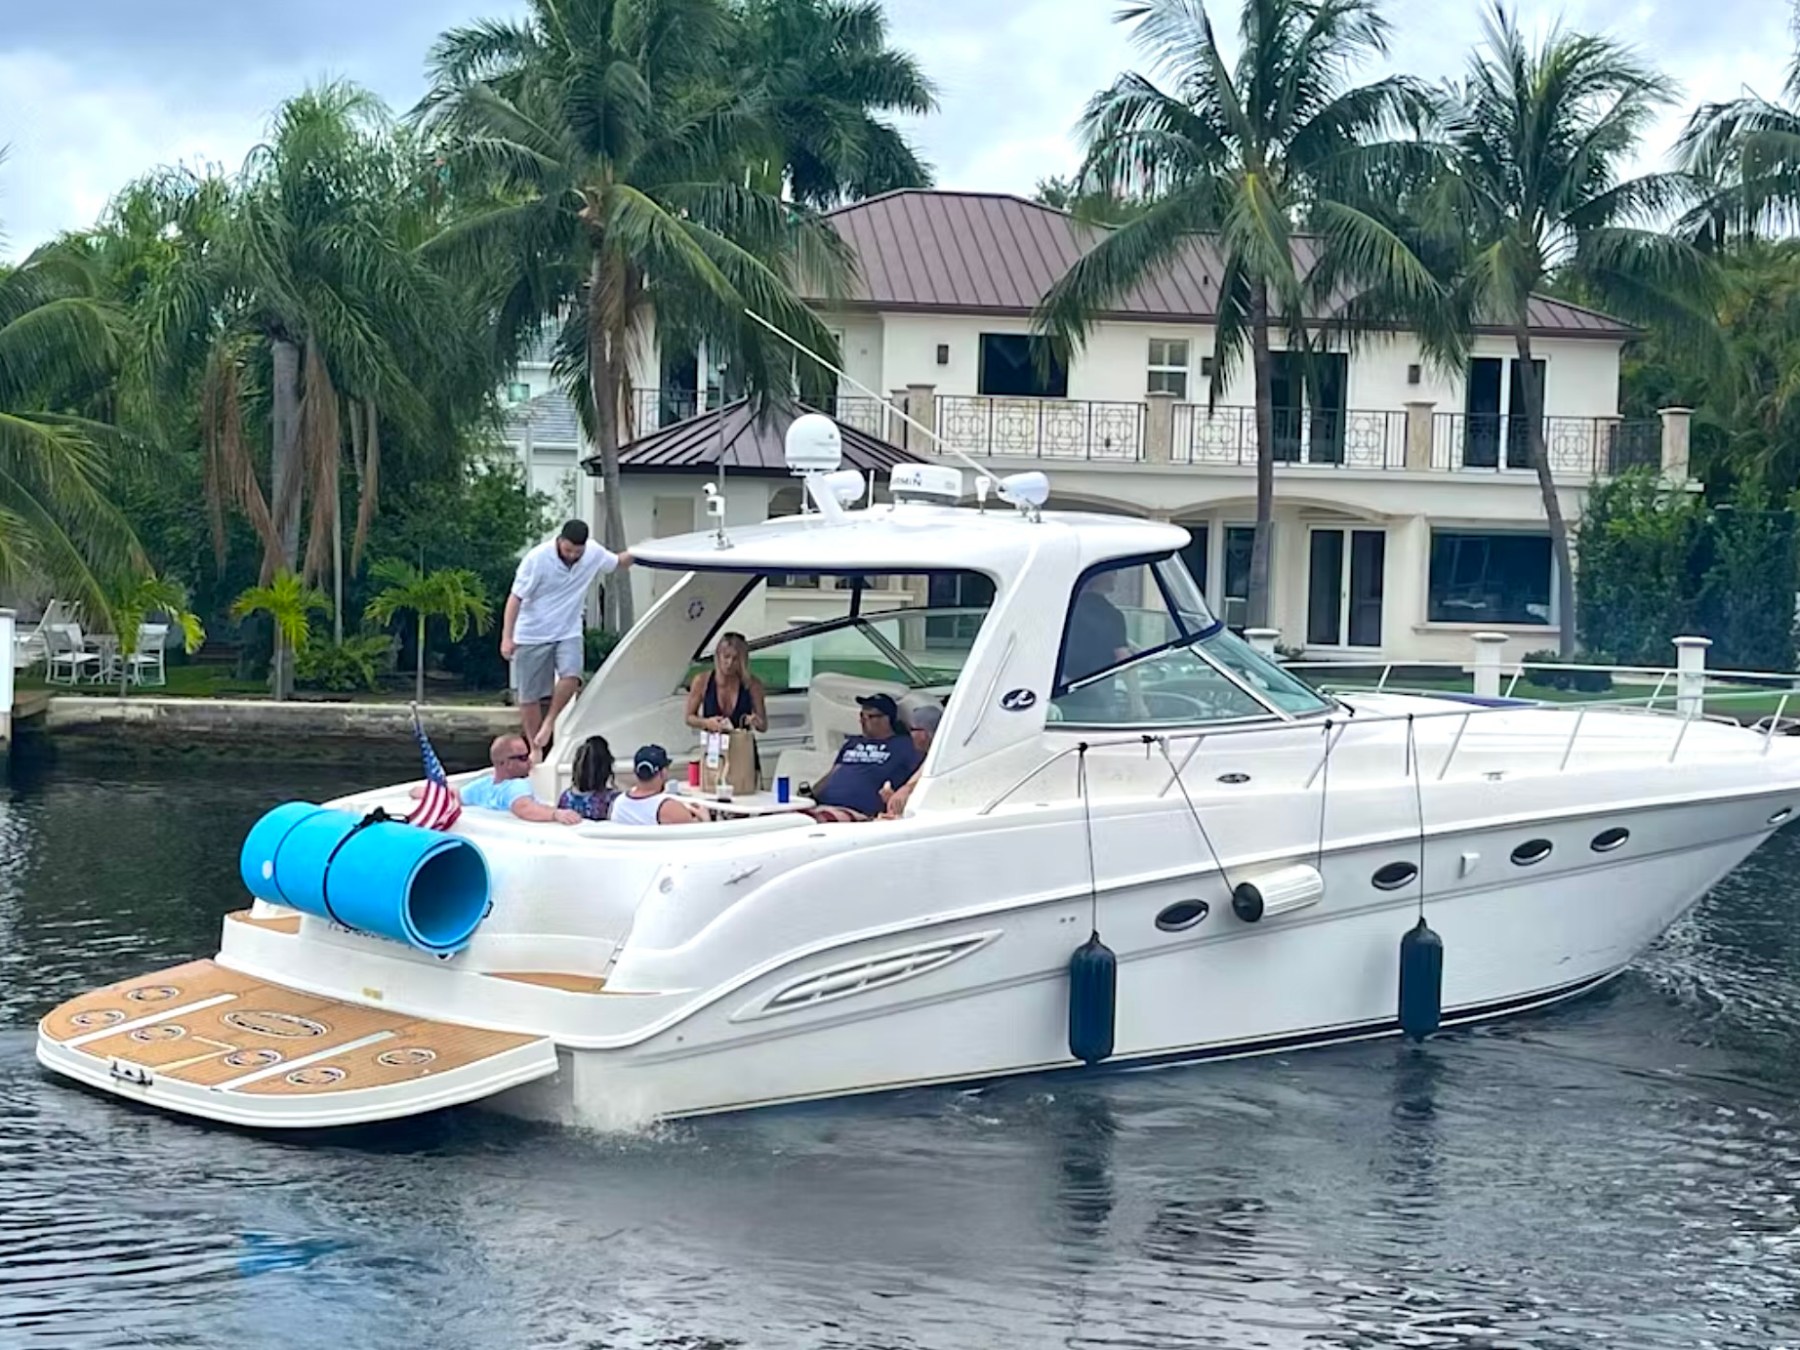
(1194, 555)
(1235, 599)
(1518, 438)
(1481, 414)
(1345, 576)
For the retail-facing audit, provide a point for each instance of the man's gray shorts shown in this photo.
(537, 668)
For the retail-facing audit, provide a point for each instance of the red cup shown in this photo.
(693, 773)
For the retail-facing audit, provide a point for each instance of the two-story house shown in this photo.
(1406, 517)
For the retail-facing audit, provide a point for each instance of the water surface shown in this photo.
(1622, 1172)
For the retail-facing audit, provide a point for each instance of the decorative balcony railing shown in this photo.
(1575, 447)
(652, 409)
(1355, 439)
(1190, 434)
(1041, 428)
(875, 416)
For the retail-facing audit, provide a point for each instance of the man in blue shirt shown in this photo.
(883, 756)
(508, 787)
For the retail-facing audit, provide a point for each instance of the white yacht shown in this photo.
(1250, 852)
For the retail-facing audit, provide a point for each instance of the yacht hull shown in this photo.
(793, 964)
(1313, 978)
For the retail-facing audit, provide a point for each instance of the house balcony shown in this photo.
(1162, 431)
(1414, 439)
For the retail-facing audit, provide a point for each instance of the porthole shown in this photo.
(1607, 840)
(1782, 816)
(1531, 852)
(1394, 876)
(1182, 915)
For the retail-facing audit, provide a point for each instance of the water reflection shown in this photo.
(1624, 1171)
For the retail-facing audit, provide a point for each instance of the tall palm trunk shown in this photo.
(284, 471)
(419, 666)
(1533, 394)
(284, 446)
(279, 672)
(604, 355)
(1262, 370)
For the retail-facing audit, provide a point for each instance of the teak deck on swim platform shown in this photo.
(554, 979)
(274, 923)
(215, 1042)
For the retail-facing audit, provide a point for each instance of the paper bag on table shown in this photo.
(729, 757)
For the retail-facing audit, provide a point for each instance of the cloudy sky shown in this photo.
(96, 92)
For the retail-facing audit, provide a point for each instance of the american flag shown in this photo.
(439, 807)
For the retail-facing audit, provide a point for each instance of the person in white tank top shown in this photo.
(648, 801)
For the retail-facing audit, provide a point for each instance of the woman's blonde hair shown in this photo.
(738, 644)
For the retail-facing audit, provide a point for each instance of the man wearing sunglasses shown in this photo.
(508, 787)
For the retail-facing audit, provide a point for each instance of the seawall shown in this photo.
(81, 724)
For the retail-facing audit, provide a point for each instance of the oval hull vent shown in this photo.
(1532, 852)
(1607, 840)
(861, 977)
(1394, 876)
(1182, 915)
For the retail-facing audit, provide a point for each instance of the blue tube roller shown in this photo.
(397, 881)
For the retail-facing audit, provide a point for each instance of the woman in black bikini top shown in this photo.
(731, 672)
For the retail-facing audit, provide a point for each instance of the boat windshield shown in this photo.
(1141, 648)
(912, 630)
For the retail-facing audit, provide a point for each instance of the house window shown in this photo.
(517, 392)
(1016, 366)
(1168, 371)
(1490, 578)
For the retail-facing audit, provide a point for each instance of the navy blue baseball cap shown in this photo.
(649, 761)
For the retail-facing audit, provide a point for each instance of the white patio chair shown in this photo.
(33, 645)
(70, 656)
(145, 666)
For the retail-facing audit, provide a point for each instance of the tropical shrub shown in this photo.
(351, 666)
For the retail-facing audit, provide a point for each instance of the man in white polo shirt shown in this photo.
(541, 634)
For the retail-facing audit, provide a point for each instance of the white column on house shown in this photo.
(1690, 675)
(1677, 432)
(1489, 648)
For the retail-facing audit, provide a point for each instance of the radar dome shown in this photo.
(813, 444)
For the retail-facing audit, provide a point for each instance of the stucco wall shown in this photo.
(1581, 377)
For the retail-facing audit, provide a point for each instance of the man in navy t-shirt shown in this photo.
(883, 755)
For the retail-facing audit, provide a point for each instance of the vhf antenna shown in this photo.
(981, 473)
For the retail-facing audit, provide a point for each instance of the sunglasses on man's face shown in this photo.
(511, 758)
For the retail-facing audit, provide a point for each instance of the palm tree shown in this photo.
(826, 72)
(137, 598)
(1747, 152)
(1536, 141)
(60, 347)
(1253, 153)
(454, 594)
(290, 604)
(607, 136)
(293, 294)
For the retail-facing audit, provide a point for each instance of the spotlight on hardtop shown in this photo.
(1027, 491)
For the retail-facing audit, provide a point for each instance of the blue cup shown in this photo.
(782, 791)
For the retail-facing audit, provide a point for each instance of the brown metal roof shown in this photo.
(745, 441)
(990, 253)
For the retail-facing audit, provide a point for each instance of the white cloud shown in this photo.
(87, 106)
(79, 142)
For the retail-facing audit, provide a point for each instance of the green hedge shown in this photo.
(1653, 564)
